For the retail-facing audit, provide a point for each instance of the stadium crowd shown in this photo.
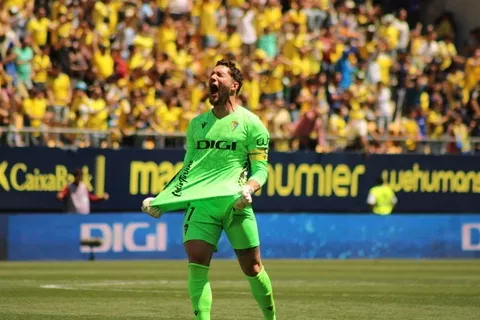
(323, 75)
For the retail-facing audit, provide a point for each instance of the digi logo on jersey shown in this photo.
(220, 144)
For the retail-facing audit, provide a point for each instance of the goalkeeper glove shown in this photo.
(148, 209)
(245, 198)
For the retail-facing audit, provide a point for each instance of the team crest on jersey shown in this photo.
(234, 125)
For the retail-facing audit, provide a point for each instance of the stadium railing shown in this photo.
(78, 138)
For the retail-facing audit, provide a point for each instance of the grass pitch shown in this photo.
(313, 289)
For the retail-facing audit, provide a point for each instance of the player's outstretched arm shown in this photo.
(146, 203)
(190, 143)
(258, 142)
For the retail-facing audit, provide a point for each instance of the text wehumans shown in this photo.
(182, 179)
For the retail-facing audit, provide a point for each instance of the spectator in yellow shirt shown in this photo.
(38, 27)
(208, 23)
(41, 65)
(98, 116)
(144, 39)
(231, 39)
(273, 15)
(58, 7)
(390, 32)
(294, 39)
(273, 82)
(297, 16)
(337, 127)
(102, 60)
(301, 64)
(103, 10)
(448, 52)
(80, 107)
(435, 121)
(461, 133)
(59, 95)
(186, 116)
(411, 131)
(61, 29)
(251, 89)
(166, 37)
(472, 71)
(103, 33)
(385, 63)
(35, 110)
(280, 126)
(84, 33)
(167, 116)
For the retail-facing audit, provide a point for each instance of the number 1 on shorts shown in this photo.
(191, 212)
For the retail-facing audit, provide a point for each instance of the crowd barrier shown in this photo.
(296, 236)
(300, 181)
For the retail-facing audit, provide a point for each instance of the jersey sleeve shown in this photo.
(190, 149)
(190, 143)
(258, 142)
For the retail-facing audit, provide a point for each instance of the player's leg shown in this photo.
(199, 255)
(200, 236)
(243, 235)
(259, 281)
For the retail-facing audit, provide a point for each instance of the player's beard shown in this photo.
(219, 97)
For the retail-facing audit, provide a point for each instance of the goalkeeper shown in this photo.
(224, 146)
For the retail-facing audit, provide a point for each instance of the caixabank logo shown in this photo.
(23, 176)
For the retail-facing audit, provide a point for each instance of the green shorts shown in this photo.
(206, 219)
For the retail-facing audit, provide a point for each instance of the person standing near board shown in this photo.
(381, 198)
(76, 195)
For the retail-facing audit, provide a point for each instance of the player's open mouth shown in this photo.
(213, 89)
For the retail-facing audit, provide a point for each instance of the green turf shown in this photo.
(313, 289)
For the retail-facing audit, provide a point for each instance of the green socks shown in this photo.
(199, 291)
(262, 292)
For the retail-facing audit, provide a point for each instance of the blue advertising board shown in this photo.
(31, 177)
(302, 236)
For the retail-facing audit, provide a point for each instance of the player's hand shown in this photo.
(245, 199)
(148, 209)
(106, 196)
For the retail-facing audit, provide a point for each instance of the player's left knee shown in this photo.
(252, 269)
(250, 261)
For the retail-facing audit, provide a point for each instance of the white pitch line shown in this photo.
(57, 286)
(171, 291)
(107, 283)
(180, 293)
(113, 285)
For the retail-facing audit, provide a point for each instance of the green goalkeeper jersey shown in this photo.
(221, 155)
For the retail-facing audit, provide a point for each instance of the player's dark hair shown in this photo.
(235, 72)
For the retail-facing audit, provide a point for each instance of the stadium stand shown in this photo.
(323, 75)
